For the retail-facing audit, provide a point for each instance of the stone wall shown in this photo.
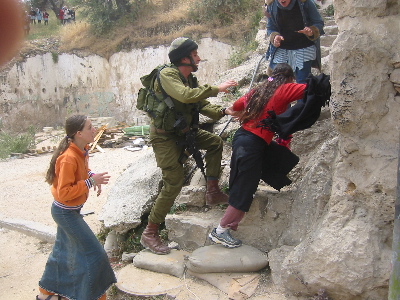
(42, 90)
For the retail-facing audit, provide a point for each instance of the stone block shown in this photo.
(212, 259)
(172, 263)
(191, 230)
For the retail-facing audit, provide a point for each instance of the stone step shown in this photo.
(260, 228)
(331, 30)
(327, 40)
(190, 229)
(329, 21)
(324, 51)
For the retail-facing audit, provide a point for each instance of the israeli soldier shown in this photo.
(168, 129)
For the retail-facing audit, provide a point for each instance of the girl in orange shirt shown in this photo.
(78, 267)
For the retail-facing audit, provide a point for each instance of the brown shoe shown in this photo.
(214, 195)
(151, 240)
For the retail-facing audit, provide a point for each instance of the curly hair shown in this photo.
(282, 73)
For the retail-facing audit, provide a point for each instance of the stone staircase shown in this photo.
(190, 229)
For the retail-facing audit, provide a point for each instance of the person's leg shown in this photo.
(167, 155)
(230, 220)
(301, 74)
(213, 145)
(78, 266)
(43, 294)
(246, 170)
(103, 297)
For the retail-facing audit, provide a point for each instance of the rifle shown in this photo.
(189, 144)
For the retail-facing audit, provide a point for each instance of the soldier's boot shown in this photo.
(214, 195)
(151, 240)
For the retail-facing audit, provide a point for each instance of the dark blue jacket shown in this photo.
(311, 18)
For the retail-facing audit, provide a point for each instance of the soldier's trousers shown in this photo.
(167, 154)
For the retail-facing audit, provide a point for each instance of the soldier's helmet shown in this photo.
(180, 48)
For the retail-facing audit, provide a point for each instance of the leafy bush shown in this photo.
(329, 11)
(225, 11)
(103, 15)
(16, 143)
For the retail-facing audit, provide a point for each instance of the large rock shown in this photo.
(172, 263)
(132, 195)
(212, 259)
(345, 249)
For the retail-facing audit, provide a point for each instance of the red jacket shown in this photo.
(279, 102)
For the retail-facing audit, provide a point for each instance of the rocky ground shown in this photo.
(26, 197)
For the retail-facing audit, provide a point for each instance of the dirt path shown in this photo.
(25, 196)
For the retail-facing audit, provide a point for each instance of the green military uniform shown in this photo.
(187, 97)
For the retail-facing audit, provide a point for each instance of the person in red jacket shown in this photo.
(78, 266)
(250, 143)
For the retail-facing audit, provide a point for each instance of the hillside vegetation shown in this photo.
(158, 22)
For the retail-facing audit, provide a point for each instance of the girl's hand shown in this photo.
(101, 178)
(98, 189)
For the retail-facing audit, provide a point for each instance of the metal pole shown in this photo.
(394, 283)
(251, 84)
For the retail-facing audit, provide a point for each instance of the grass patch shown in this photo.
(40, 31)
(16, 143)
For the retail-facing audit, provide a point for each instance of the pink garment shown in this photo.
(231, 218)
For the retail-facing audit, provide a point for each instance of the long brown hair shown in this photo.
(72, 125)
(281, 74)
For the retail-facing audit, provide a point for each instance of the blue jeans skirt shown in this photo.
(78, 267)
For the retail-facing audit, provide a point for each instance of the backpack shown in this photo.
(147, 99)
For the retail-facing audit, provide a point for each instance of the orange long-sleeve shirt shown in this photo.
(71, 170)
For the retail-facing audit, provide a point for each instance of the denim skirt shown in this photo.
(78, 267)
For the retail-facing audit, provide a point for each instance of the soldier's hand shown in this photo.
(227, 84)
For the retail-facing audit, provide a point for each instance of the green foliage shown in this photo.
(249, 44)
(229, 139)
(233, 95)
(225, 188)
(16, 143)
(104, 15)
(225, 11)
(40, 31)
(54, 56)
(102, 235)
(176, 208)
(132, 242)
(329, 11)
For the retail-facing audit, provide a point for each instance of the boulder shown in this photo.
(213, 259)
(132, 195)
(172, 263)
